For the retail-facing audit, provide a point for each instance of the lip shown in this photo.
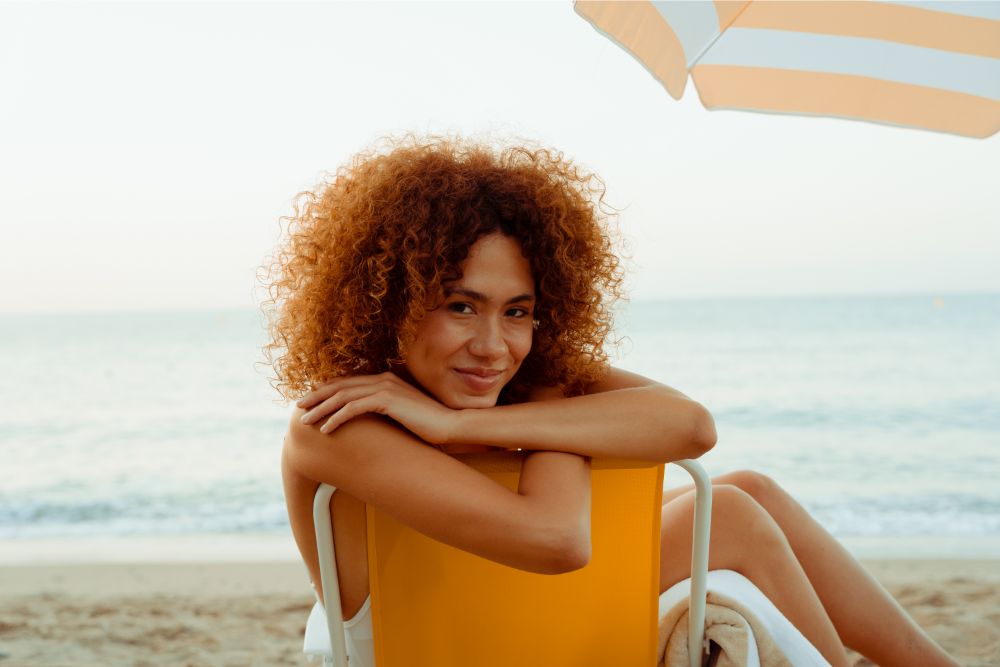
(479, 379)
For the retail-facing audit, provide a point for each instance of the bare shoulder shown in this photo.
(619, 378)
(350, 457)
(361, 429)
(544, 394)
(611, 379)
(358, 431)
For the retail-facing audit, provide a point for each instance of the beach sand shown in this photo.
(245, 613)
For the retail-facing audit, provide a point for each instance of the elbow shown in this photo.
(577, 551)
(703, 434)
(568, 552)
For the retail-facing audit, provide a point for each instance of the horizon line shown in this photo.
(126, 310)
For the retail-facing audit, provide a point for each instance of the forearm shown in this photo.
(650, 423)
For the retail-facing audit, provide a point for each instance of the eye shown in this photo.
(461, 308)
(518, 312)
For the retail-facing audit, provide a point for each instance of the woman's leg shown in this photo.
(867, 618)
(746, 539)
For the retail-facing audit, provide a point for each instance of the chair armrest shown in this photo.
(328, 574)
(699, 557)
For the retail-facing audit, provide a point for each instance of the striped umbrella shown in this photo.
(932, 65)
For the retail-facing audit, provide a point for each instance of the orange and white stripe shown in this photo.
(932, 65)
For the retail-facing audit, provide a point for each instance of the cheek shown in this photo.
(439, 340)
(520, 346)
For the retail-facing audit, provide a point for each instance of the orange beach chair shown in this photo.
(435, 605)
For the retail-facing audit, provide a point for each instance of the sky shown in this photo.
(148, 152)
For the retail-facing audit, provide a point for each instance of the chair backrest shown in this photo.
(435, 605)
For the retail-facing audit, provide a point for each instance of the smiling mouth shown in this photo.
(479, 379)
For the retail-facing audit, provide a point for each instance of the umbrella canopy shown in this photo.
(932, 65)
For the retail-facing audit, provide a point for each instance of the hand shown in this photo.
(384, 394)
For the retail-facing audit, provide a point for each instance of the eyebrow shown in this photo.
(478, 296)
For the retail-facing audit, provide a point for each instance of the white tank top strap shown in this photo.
(360, 639)
(358, 634)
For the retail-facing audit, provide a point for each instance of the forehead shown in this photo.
(495, 267)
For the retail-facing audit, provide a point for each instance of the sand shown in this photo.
(252, 613)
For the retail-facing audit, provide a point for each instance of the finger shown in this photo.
(321, 393)
(350, 411)
(313, 397)
(337, 401)
(327, 390)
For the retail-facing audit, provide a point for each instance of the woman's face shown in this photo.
(466, 350)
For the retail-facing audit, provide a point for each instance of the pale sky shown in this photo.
(148, 150)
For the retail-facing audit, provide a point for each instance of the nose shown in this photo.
(487, 340)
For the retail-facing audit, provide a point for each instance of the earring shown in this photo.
(534, 324)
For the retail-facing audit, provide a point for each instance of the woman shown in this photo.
(439, 297)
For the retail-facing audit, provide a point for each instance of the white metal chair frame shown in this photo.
(699, 566)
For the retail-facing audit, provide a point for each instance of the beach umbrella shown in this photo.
(930, 65)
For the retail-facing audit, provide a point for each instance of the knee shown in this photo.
(731, 501)
(757, 485)
(738, 516)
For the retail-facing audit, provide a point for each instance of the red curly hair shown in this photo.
(368, 251)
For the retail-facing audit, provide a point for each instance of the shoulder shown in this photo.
(544, 394)
(361, 427)
(609, 379)
(613, 379)
(352, 446)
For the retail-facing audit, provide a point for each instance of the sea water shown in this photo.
(880, 414)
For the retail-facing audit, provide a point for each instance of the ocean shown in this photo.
(880, 414)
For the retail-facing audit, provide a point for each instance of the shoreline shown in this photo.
(237, 578)
(181, 548)
(279, 548)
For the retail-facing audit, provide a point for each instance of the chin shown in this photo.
(465, 401)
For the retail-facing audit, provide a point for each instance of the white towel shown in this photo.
(747, 627)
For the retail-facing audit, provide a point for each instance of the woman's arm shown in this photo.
(624, 416)
(544, 527)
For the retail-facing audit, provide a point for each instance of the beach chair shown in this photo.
(435, 605)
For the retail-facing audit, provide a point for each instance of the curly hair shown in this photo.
(368, 250)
